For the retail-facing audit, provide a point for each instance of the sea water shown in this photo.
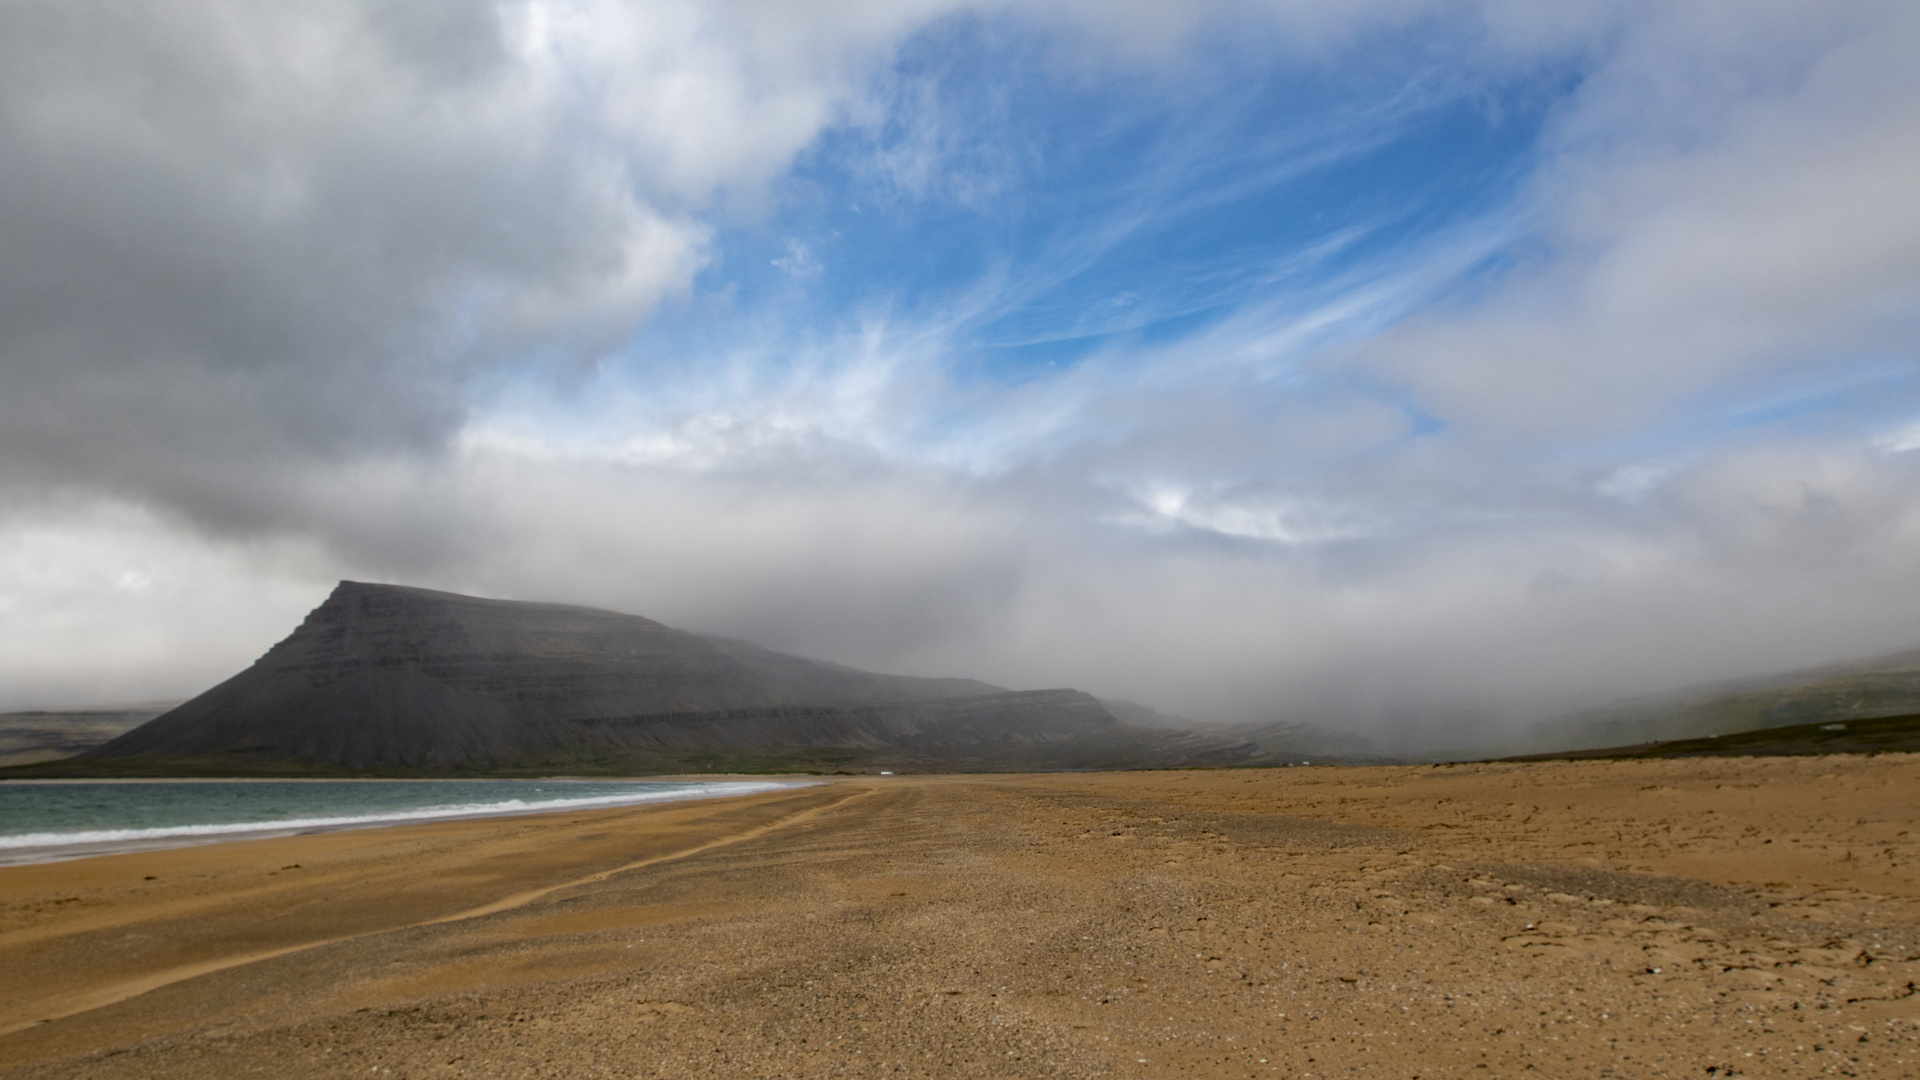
(42, 821)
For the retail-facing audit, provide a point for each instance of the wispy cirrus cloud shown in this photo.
(1369, 363)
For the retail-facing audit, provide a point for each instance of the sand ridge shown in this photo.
(1707, 917)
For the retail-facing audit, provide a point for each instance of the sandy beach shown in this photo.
(1712, 917)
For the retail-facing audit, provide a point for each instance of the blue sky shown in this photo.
(1421, 367)
(1035, 220)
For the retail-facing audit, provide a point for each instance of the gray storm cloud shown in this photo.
(245, 241)
(267, 270)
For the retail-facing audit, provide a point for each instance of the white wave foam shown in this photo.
(423, 813)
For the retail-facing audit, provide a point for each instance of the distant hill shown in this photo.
(27, 738)
(1881, 686)
(396, 680)
(1296, 742)
(1279, 742)
(1134, 714)
(1882, 735)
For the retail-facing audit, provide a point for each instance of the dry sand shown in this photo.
(1705, 918)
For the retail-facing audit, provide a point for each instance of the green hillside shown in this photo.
(1887, 734)
(1884, 686)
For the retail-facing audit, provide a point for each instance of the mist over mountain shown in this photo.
(386, 678)
(39, 735)
(1418, 369)
(1887, 685)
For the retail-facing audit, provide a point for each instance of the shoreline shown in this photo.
(121, 989)
(199, 835)
(594, 778)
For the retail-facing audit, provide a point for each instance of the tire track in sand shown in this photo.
(75, 1004)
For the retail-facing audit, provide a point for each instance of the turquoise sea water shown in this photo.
(40, 821)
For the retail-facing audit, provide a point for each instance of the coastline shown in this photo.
(1132, 925)
(32, 848)
(392, 877)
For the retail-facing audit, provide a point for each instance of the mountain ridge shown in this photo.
(401, 679)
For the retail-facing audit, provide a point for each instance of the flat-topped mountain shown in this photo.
(393, 679)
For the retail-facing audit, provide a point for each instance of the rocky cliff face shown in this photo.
(386, 677)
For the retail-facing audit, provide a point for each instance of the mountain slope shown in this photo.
(1886, 685)
(1881, 735)
(1292, 741)
(388, 678)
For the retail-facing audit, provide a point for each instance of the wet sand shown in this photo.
(1720, 917)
